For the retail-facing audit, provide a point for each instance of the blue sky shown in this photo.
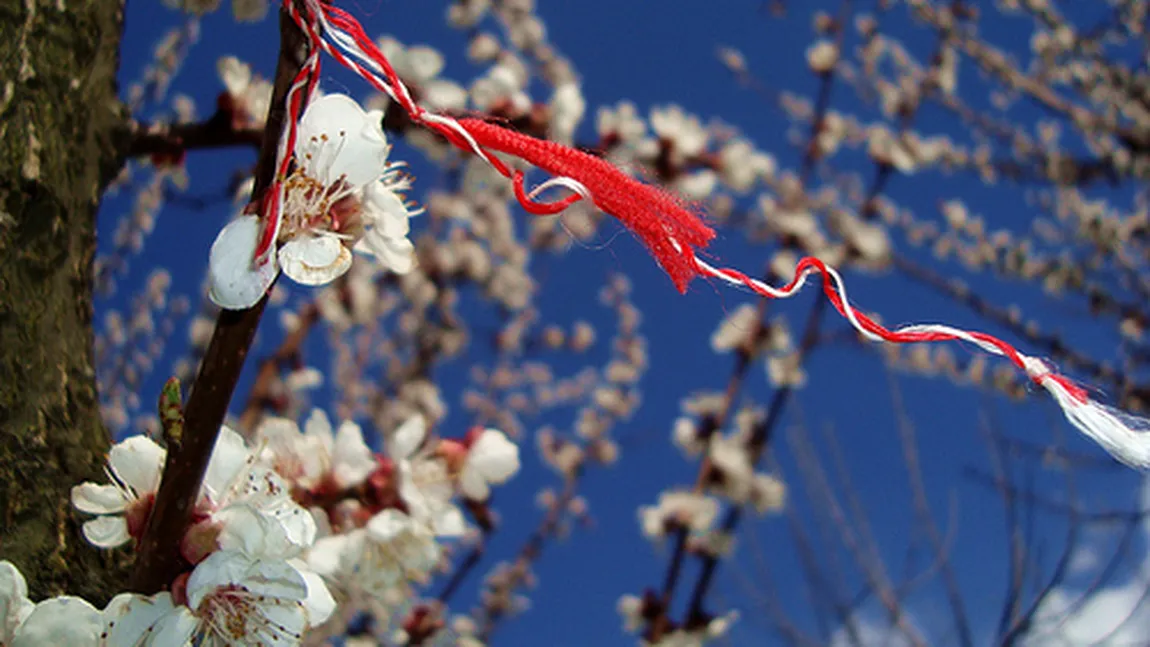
(654, 54)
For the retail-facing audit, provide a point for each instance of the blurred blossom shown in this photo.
(622, 124)
(419, 67)
(678, 509)
(483, 47)
(822, 56)
(736, 330)
(567, 110)
(491, 459)
(242, 10)
(248, 94)
(503, 85)
(316, 456)
(684, 133)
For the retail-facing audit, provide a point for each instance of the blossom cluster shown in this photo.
(279, 524)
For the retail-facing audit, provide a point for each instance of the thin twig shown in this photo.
(218, 131)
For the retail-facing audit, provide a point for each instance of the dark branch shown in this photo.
(159, 561)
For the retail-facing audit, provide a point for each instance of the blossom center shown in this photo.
(313, 207)
(235, 612)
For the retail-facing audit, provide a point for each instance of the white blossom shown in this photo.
(622, 122)
(491, 459)
(685, 436)
(502, 84)
(822, 56)
(768, 494)
(425, 484)
(249, 10)
(631, 607)
(317, 456)
(741, 165)
(714, 630)
(343, 194)
(394, 549)
(242, 10)
(690, 510)
(122, 506)
(697, 185)
(567, 109)
(730, 458)
(419, 67)
(64, 620)
(250, 94)
(684, 132)
(246, 507)
(261, 519)
(736, 329)
(885, 148)
(232, 599)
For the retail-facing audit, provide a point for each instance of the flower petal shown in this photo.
(494, 456)
(318, 426)
(138, 462)
(449, 522)
(98, 499)
(275, 579)
(292, 531)
(423, 62)
(244, 530)
(229, 458)
(319, 603)
(473, 485)
(65, 620)
(352, 459)
(389, 215)
(261, 518)
(221, 568)
(327, 553)
(444, 96)
(268, 578)
(281, 626)
(314, 260)
(236, 75)
(236, 282)
(279, 435)
(388, 524)
(396, 254)
(337, 139)
(249, 10)
(298, 457)
(14, 603)
(107, 532)
(131, 617)
(407, 438)
(177, 629)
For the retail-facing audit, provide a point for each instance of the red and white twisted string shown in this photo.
(302, 88)
(674, 230)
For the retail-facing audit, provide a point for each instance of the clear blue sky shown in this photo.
(653, 54)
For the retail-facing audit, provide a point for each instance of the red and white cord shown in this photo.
(675, 231)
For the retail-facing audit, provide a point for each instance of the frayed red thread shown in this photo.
(670, 228)
(657, 217)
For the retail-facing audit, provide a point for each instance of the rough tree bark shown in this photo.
(59, 119)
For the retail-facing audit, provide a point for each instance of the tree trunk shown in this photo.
(59, 115)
